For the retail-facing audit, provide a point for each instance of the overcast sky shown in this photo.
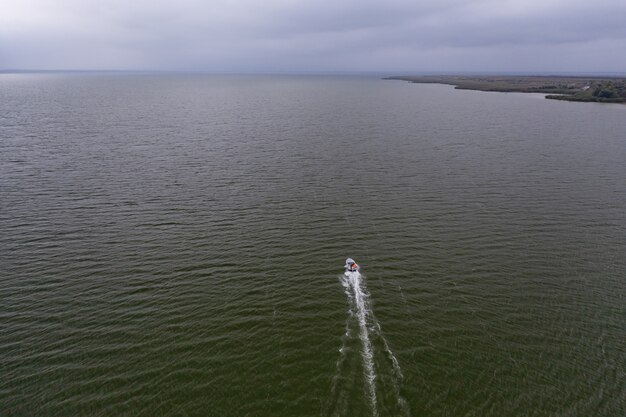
(397, 36)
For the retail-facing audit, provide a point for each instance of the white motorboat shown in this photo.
(351, 266)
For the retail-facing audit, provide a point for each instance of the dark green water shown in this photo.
(173, 245)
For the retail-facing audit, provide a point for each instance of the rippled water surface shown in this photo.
(174, 245)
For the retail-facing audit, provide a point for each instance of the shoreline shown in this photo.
(570, 88)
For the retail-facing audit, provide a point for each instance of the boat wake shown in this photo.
(365, 347)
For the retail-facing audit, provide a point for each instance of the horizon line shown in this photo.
(318, 72)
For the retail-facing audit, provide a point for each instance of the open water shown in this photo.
(173, 245)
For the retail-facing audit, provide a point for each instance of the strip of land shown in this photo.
(591, 89)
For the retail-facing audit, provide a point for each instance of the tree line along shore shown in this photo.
(588, 89)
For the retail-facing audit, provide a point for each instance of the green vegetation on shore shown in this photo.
(591, 89)
(606, 91)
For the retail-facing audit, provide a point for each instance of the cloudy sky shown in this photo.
(320, 35)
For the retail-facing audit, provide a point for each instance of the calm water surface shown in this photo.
(173, 245)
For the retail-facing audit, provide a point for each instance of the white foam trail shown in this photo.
(369, 333)
(338, 406)
(397, 373)
(396, 366)
(367, 351)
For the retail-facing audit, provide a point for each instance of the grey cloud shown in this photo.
(243, 35)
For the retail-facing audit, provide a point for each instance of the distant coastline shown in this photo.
(569, 88)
